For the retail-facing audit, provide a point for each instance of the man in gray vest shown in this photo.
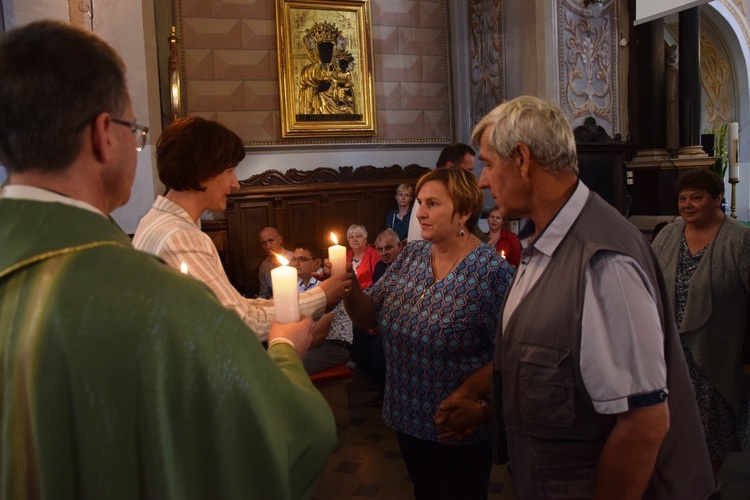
(590, 394)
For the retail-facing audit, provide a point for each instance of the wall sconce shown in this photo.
(595, 7)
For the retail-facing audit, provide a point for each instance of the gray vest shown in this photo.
(554, 435)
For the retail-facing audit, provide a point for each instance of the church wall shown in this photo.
(532, 45)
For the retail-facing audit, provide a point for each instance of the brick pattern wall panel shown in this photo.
(229, 65)
(262, 95)
(216, 95)
(388, 94)
(259, 35)
(206, 33)
(195, 8)
(244, 65)
(262, 125)
(200, 64)
(395, 13)
(242, 9)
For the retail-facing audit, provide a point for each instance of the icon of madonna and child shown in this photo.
(327, 84)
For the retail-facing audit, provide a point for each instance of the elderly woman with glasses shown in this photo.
(196, 160)
(437, 307)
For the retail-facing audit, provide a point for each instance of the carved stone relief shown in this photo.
(589, 64)
(485, 52)
(718, 99)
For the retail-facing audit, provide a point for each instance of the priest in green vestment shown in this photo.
(121, 377)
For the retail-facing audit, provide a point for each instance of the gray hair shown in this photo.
(539, 124)
(388, 233)
(356, 228)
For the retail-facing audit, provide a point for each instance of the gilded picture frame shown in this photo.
(326, 81)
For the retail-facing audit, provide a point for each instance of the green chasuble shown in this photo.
(122, 378)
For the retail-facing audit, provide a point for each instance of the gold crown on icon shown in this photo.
(322, 33)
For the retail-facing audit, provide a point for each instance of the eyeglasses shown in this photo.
(300, 260)
(139, 131)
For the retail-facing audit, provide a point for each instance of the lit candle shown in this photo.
(734, 150)
(337, 256)
(285, 294)
(502, 253)
(183, 268)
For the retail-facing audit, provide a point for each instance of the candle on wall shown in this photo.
(337, 256)
(733, 134)
(285, 294)
(183, 268)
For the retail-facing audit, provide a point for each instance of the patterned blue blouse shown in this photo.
(436, 334)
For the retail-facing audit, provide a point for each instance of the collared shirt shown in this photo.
(21, 192)
(168, 231)
(622, 342)
(312, 283)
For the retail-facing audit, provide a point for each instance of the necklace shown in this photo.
(453, 265)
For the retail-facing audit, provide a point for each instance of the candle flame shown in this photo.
(282, 260)
(502, 253)
(334, 239)
(183, 268)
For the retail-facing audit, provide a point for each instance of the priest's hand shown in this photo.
(298, 335)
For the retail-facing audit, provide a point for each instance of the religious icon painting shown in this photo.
(326, 78)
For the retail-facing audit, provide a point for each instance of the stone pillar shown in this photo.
(649, 127)
(690, 83)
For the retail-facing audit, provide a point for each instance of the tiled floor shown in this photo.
(367, 462)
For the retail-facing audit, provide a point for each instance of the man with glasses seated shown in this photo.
(196, 159)
(123, 378)
(308, 260)
(332, 334)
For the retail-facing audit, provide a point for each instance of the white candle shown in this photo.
(733, 147)
(337, 256)
(502, 253)
(285, 294)
(183, 268)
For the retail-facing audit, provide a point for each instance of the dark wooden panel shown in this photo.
(254, 216)
(601, 163)
(303, 221)
(343, 210)
(383, 204)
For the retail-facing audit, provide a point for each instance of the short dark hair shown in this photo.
(193, 150)
(454, 153)
(55, 79)
(315, 251)
(701, 179)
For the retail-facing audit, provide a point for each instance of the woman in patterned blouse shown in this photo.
(437, 307)
(706, 263)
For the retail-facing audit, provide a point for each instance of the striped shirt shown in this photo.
(168, 232)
